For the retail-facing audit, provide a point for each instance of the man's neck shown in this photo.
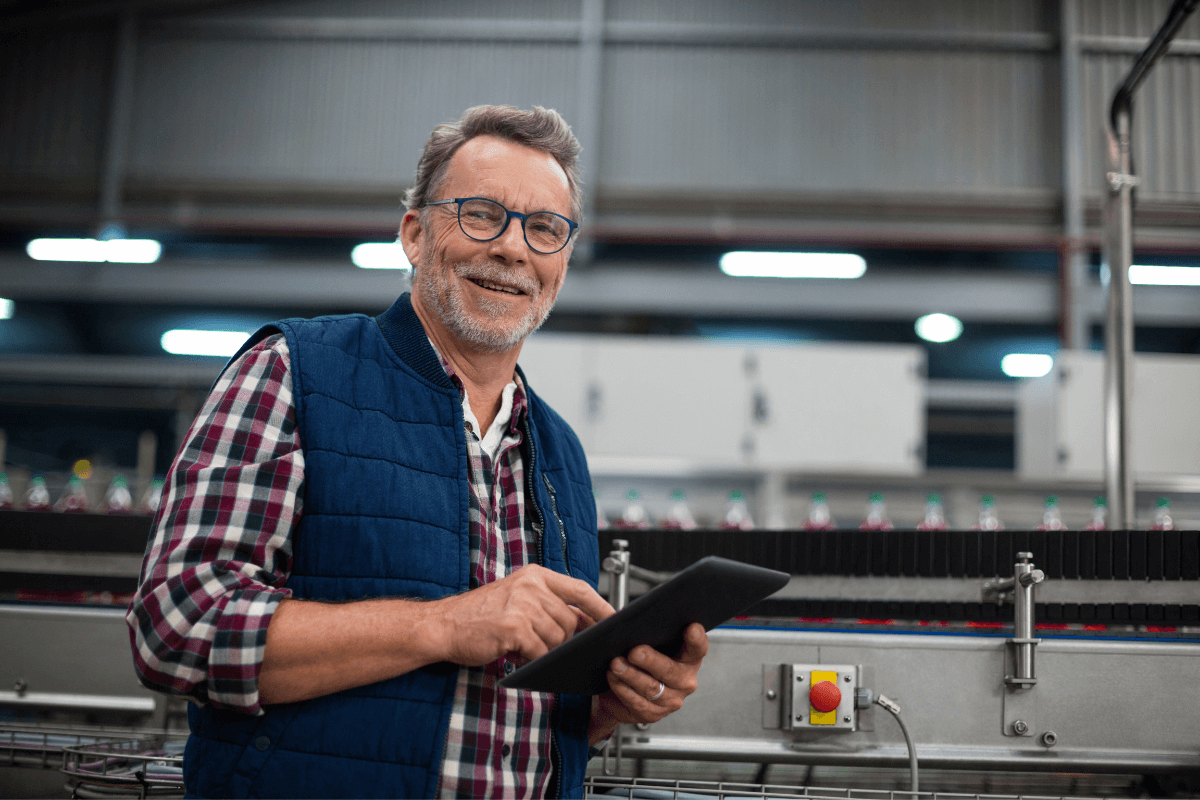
(483, 374)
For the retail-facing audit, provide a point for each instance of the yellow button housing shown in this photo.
(821, 717)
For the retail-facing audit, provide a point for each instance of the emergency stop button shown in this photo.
(824, 697)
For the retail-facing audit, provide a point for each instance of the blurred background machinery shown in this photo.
(892, 429)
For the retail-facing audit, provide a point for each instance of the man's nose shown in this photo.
(510, 247)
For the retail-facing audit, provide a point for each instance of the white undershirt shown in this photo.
(495, 434)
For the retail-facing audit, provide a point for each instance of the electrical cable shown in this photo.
(894, 709)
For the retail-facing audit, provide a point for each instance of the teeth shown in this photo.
(497, 287)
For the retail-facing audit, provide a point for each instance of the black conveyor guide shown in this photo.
(1114, 556)
(1088, 555)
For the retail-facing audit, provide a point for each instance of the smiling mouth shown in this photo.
(496, 287)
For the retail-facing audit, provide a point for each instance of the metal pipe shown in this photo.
(1118, 329)
(1118, 334)
(1076, 327)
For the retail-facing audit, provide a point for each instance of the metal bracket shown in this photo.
(1119, 180)
(785, 697)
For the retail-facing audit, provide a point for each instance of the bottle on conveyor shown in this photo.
(819, 518)
(989, 520)
(876, 518)
(1099, 515)
(1162, 516)
(679, 516)
(935, 515)
(634, 515)
(1051, 516)
(737, 515)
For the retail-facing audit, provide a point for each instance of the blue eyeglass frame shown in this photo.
(524, 233)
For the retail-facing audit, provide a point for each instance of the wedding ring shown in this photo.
(661, 688)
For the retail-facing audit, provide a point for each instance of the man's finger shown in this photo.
(578, 593)
(695, 645)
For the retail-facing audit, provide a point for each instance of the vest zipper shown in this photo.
(562, 529)
(539, 520)
(556, 767)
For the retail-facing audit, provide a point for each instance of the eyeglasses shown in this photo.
(484, 220)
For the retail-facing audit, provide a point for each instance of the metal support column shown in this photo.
(1076, 326)
(587, 122)
(120, 111)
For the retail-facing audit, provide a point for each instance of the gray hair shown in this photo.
(540, 128)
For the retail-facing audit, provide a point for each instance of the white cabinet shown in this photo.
(842, 408)
(1060, 418)
(704, 405)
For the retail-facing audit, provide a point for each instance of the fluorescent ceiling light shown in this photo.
(6, 308)
(939, 328)
(1164, 276)
(126, 251)
(751, 264)
(380, 255)
(202, 343)
(1026, 365)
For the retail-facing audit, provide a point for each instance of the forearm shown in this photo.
(314, 649)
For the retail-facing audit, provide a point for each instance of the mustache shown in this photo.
(486, 271)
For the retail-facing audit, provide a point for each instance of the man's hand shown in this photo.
(521, 616)
(646, 686)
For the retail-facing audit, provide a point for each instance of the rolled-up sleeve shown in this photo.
(217, 565)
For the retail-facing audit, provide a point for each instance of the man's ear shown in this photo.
(412, 236)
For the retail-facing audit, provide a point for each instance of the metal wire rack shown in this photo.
(664, 789)
(136, 766)
(41, 746)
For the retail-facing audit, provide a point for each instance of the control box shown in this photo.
(810, 696)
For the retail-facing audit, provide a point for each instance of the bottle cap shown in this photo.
(1100, 502)
(119, 480)
(1164, 502)
(736, 496)
(75, 481)
(987, 500)
(1051, 501)
(819, 497)
(677, 494)
(632, 494)
(877, 497)
(38, 481)
(934, 499)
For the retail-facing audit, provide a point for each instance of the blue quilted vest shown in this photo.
(385, 514)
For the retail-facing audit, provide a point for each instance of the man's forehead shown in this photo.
(502, 165)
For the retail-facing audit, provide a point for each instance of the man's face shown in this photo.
(488, 295)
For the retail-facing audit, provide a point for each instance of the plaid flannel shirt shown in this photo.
(217, 567)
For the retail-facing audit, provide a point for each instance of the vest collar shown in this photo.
(402, 330)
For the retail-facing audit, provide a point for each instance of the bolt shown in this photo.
(20, 687)
(799, 717)
(1020, 728)
(846, 719)
(771, 694)
(1049, 739)
(846, 678)
(799, 679)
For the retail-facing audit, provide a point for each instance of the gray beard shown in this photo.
(488, 334)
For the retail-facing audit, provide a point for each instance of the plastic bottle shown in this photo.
(876, 519)
(74, 498)
(118, 500)
(6, 495)
(935, 515)
(737, 515)
(988, 520)
(1099, 515)
(37, 496)
(601, 519)
(1162, 516)
(1051, 516)
(679, 517)
(634, 515)
(819, 518)
(151, 498)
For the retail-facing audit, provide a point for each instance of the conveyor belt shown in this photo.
(1102, 558)
(1088, 555)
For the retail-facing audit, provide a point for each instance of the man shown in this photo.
(372, 520)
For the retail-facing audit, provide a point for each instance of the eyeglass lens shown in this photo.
(484, 219)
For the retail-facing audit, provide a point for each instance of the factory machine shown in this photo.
(980, 651)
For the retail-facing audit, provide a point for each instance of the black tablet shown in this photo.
(710, 592)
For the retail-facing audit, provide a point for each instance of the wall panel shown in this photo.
(54, 87)
(780, 120)
(328, 112)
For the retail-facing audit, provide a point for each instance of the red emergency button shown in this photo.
(825, 696)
